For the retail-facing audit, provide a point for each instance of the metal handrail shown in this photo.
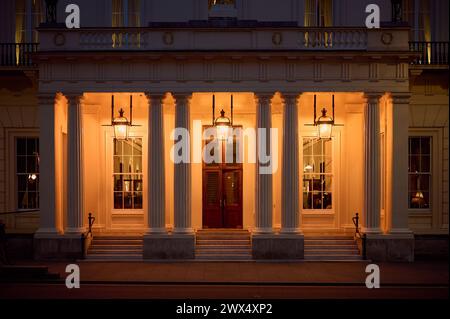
(17, 54)
(430, 52)
(359, 235)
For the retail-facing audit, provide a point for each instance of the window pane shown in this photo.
(137, 200)
(21, 146)
(31, 146)
(425, 145)
(127, 200)
(307, 200)
(415, 145)
(425, 164)
(414, 163)
(317, 200)
(21, 164)
(118, 200)
(327, 202)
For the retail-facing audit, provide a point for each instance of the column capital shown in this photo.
(159, 96)
(372, 97)
(263, 97)
(182, 97)
(290, 97)
(74, 96)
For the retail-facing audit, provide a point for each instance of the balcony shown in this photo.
(241, 36)
(17, 54)
(430, 53)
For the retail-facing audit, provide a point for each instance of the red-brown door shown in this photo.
(222, 194)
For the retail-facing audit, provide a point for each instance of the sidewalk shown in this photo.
(417, 273)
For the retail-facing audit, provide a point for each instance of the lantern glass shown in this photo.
(120, 128)
(324, 125)
(223, 126)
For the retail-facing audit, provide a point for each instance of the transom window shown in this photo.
(419, 171)
(27, 172)
(317, 174)
(127, 175)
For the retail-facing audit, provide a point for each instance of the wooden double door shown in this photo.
(222, 191)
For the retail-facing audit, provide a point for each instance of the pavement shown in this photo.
(310, 280)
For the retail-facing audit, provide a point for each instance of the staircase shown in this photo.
(115, 248)
(331, 248)
(223, 245)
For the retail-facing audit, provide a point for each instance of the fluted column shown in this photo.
(372, 170)
(47, 174)
(75, 198)
(398, 204)
(290, 172)
(156, 165)
(182, 171)
(263, 205)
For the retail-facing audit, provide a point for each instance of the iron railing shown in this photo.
(359, 235)
(17, 54)
(430, 53)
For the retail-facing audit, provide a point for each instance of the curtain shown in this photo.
(117, 21)
(21, 30)
(327, 13)
(134, 13)
(38, 17)
(310, 9)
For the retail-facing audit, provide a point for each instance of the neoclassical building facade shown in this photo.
(273, 68)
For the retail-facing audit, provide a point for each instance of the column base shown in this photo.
(169, 246)
(59, 247)
(277, 246)
(390, 247)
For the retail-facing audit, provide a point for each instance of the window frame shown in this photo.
(333, 174)
(435, 168)
(11, 147)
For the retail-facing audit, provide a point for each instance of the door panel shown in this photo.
(222, 191)
(212, 198)
(232, 198)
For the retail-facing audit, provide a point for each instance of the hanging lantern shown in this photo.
(324, 123)
(223, 124)
(121, 124)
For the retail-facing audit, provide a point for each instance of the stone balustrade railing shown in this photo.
(224, 39)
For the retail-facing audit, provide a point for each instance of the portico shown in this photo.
(134, 186)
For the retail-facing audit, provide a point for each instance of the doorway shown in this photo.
(222, 185)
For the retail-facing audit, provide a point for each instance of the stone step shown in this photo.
(223, 238)
(309, 242)
(114, 251)
(331, 237)
(223, 247)
(333, 258)
(332, 252)
(330, 247)
(113, 257)
(223, 252)
(115, 246)
(223, 242)
(117, 241)
(223, 256)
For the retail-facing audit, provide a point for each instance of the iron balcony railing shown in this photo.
(430, 53)
(17, 54)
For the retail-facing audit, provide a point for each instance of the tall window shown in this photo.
(127, 175)
(126, 13)
(318, 13)
(419, 171)
(29, 14)
(27, 172)
(317, 174)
